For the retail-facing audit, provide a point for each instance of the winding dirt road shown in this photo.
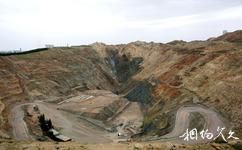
(69, 124)
(20, 129)
(212, 121)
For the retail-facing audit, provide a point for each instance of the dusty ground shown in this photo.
(13, 145)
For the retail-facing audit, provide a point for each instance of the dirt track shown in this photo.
(69, 125)
(212, 122)
(20, 130)
(81, 131)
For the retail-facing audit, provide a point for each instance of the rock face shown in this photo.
(161, 77)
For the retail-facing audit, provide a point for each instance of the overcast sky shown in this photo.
(31, 24)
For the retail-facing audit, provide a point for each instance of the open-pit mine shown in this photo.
(137, 95)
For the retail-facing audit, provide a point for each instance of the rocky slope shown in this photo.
(161, 77)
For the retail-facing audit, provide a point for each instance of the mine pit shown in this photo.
(136, 92)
